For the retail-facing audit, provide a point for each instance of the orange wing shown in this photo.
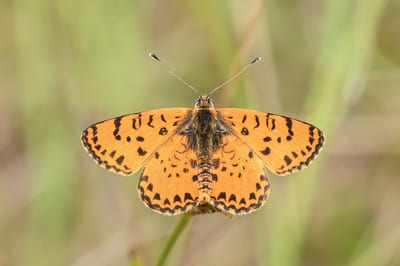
(241, 184)
(123, 144)
(168, 183)
(284, 144)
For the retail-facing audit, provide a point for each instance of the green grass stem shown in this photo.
(172, 238)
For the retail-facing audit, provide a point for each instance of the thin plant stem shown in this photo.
(176, 232)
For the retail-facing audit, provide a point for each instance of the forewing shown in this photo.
(284, 144)
(168, 182)
(124, 143)
(240, 184)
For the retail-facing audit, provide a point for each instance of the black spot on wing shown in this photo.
(289, 126)
(263, 178)
(163, 118)
(188, 196)
(117, 124)
(141, 152)
(144, 178)
(244, 131)
(94, 128)
(149, 123)
(232, 198)
(134, 126)
(266, 151)
(311, 130)
(287, 160)
(267, 139)
(257, 121)
(221, 195)
(163, 131)
(270, 122)
(177, 198)
(120, 159)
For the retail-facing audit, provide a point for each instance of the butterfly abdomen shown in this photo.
(204, 179)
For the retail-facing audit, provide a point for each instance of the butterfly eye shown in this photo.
(189, 129)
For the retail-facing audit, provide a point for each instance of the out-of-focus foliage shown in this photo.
(67, 64)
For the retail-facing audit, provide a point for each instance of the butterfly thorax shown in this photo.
(201, 128)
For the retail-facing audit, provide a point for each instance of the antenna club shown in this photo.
(172, 72)
(256, 60)
(154, 56)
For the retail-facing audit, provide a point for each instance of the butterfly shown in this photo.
(203, 160)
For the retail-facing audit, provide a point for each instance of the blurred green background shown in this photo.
(67, 64)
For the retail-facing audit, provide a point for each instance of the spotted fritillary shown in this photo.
(204, 159)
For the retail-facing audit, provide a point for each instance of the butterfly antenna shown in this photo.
(155, 57)
(255, 60)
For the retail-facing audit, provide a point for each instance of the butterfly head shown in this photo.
(204, 102)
